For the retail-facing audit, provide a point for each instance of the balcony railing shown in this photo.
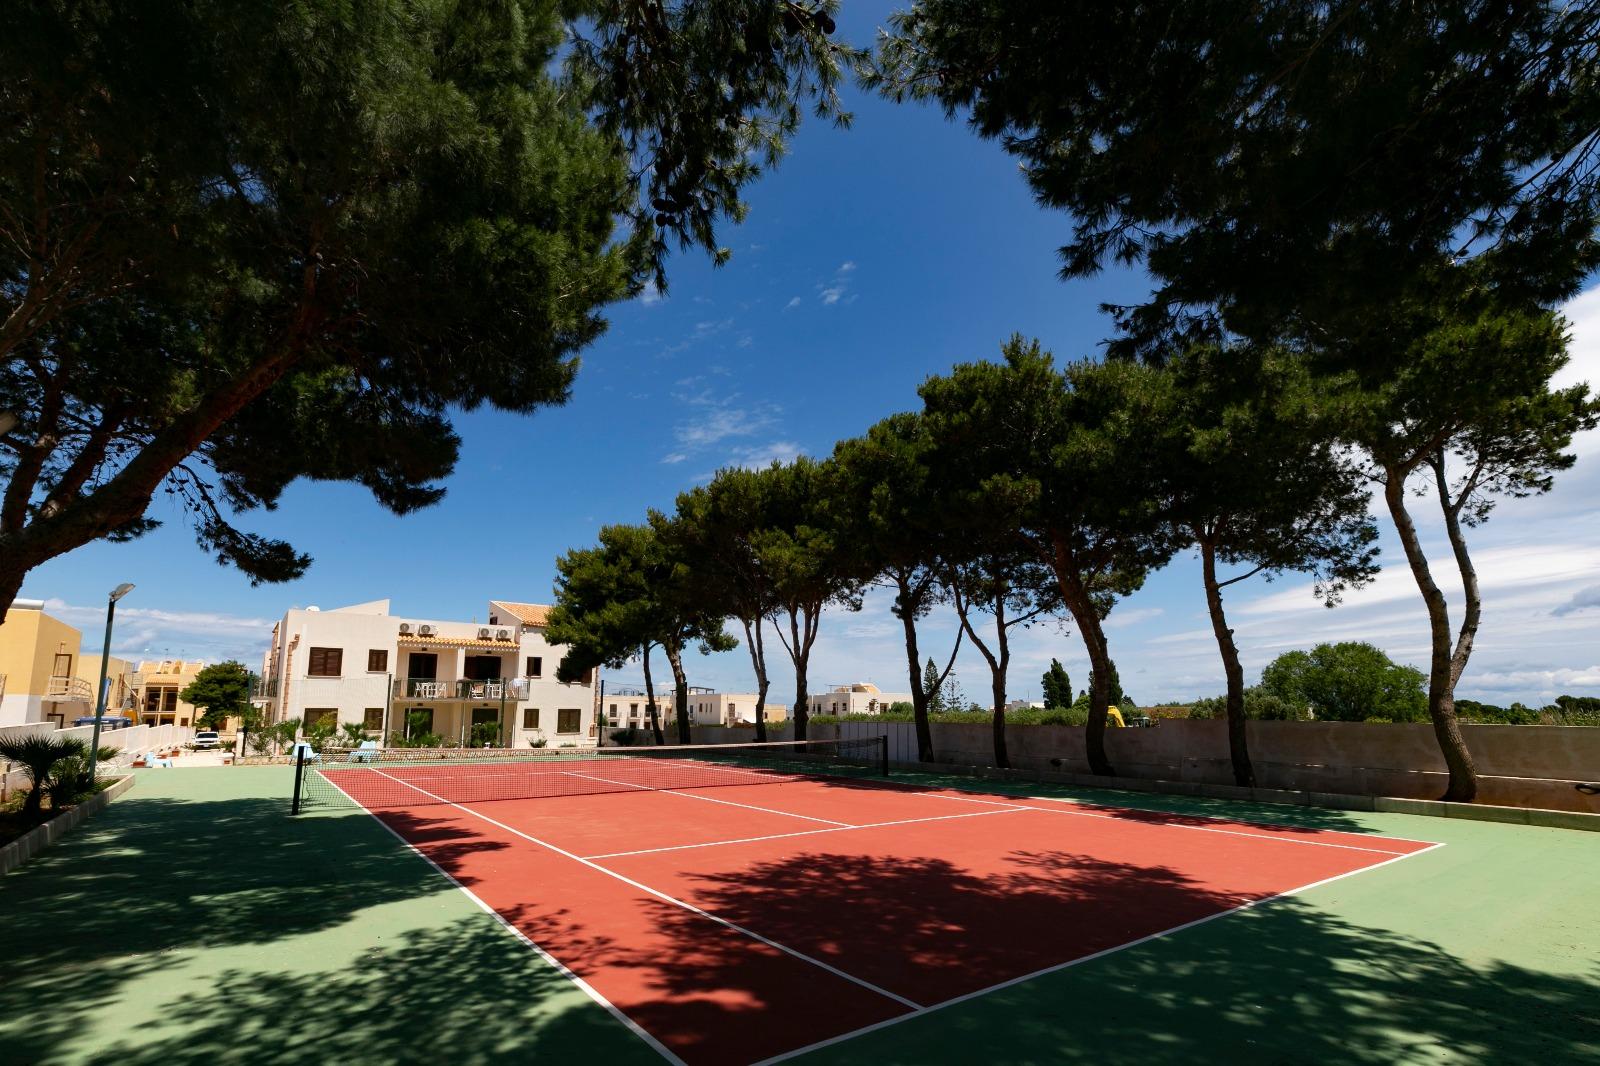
(427, 689)
(69, 689)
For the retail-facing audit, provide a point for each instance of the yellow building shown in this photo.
(156, 685)
(119, 682)
(40, 677)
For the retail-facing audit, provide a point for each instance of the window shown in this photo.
(315, 716)
(567, 720)
(530, 718)
(535, 666)
(326, 662)
(372, 719)
(378, 661)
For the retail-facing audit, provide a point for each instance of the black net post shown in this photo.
(299, 775)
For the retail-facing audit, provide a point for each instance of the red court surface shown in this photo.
(740, 923)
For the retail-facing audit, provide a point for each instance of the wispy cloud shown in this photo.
(837, 290)
(149, 632)
(792, 304)
(1581, 600)
(702, 331)
(650, 295)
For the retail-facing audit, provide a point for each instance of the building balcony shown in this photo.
(430, 690)
(63, 689)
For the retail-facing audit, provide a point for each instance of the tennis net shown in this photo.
(409, 777)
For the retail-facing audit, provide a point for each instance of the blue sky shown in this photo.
(872, 258)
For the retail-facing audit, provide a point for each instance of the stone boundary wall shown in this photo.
(40, 837)
(1520, 766)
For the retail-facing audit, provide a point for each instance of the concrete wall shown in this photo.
(1521, 766)
(129, 742)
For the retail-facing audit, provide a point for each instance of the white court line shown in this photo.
(805, 833)
(802, 956)
(924, 1011)
(711, 799)
(588, 989)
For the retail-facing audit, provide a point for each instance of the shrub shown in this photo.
(1348, 682)
(1259, 704)
(902, 707)
(629, 736)
(39, 755)
(69, 781)
(1516, 714)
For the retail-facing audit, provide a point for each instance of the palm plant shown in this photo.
(38, 755)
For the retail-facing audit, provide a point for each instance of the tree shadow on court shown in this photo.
(155, 875)
(465, 994)
(1282, 982)
(1185, 810)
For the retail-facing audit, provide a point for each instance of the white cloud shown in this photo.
(837, 290)
(151, 633)
(792, 304)
(674, 457)
(1581, 600)
(650, 295)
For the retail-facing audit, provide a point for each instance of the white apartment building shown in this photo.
(861, 698)
(466, 682)
(709, 707)
(627, 708)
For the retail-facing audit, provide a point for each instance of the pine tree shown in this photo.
(931, 685)
(1057, 686)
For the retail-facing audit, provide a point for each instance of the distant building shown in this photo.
(156, 684)
(39, 668)
(860, 698)
(401, 675)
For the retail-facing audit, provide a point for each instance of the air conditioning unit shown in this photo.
(424, 631)
(405, 629)
(503, 634)
(483, 633)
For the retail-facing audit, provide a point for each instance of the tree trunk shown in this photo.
(1473, 607)
(650, 700)
(758, 661)
(998, 666)
(800, 652)
(919, 694)
(1076, 596)
(1244, 774)
(1463, 787)
(680, 691)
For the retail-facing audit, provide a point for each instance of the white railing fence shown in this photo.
(129, 742)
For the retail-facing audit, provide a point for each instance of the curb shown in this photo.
(40, 837)
(1478, 812)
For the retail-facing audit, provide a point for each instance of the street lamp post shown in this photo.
(105, 664)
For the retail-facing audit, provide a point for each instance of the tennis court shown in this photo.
(743, 903)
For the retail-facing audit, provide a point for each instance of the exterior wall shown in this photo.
(1520, 766)
(732, 708)
(29, 643)
(854, 699)
(119, 681)
(156, 684)
(528, 704)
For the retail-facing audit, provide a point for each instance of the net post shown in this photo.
(299, 774)
(883, 754)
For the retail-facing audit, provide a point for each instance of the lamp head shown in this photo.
(121, 591)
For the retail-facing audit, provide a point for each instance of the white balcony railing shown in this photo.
(431, 689)
(63, 688)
